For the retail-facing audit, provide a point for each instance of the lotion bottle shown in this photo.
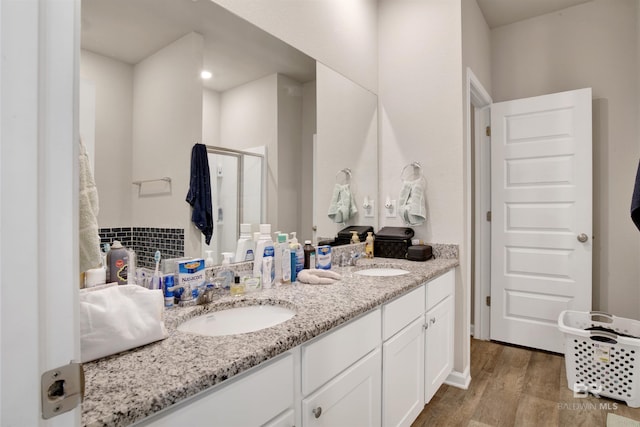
(368, 246)
(264, 249)
(285, 260)
(246, 245)
(297, 256)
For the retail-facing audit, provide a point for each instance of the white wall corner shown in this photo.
(459, 379)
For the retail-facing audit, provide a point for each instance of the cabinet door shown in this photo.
(286, 419)
(350, 399)
(438, 346)
(403, 376)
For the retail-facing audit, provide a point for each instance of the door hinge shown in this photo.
(488, 300)
(62, 389)
(488, 130)
(489, 216)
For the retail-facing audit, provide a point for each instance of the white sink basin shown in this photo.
(382, 272)
(238, 320)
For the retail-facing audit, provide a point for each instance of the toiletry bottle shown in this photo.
(309, 255)
(225, 273)
(285, 260)
(354, 237)
(264, 249)
(246, 245)
(277, 261)
(299, 251)
(118, 261)
(237, 287)
(368, 246)
(167, 285)
(131, 270)
(323, 257)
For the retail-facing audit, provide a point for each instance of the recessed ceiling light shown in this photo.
(206, 75)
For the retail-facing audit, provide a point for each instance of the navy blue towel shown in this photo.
(199, 196)
(635, 200)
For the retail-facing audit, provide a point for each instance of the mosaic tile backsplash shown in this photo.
(145, 241)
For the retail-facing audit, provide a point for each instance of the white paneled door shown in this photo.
(541, 225)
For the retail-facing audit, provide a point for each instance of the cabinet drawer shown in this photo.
(400, 312)
(220, 406)
(440, 288)
(332, 353)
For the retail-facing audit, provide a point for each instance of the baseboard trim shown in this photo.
(459, 379)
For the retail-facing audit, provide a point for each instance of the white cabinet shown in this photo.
(350, 399)
(439, 333)
(253, 399)
(376, 370)
(403, 375)
(333, 352)
(286, 419)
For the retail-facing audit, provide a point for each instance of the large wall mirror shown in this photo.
(144, 105)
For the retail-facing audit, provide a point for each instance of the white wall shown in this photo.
(590, 45)
(341, 34)
(420, 98)
(249, 118)
(289, 153)
(347, 137)
(210, 117)
(113, 129)
(476, 44)
(167, 122)
(305, 204)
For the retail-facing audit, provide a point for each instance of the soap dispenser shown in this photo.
(225, 273)
(368, 246)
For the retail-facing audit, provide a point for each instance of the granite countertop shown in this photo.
(129, 386)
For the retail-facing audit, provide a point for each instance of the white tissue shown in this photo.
(117, 318)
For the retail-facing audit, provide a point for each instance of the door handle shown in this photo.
(582, 237)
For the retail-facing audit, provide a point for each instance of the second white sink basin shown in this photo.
(238, 320)
(382, 272)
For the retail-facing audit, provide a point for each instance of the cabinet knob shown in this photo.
(433, 320)
(582, 238)
(425, 326)
(317, 411)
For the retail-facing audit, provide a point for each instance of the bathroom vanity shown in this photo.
(366, 350)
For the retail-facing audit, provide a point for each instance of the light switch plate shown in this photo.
(391, 211)
(371, 212)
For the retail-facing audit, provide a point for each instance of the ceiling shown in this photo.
(503, 12)
(235, 51)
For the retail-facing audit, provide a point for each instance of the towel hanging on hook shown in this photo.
(347, 175)
(416, 171)
(411, 204)
(342, 206)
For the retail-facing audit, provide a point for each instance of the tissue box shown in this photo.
(117, 318)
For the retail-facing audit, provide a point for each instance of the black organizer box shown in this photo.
(393, 242)
(344, 235)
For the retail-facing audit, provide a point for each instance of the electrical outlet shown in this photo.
(391, 211)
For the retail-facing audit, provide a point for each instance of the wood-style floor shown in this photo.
(514, 386)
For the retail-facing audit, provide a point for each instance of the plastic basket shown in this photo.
(605, 361)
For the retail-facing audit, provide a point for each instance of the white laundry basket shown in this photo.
(604, 361)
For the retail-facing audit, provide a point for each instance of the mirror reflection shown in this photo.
(144, 104)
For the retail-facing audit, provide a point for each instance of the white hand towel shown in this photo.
(90, 256)
(315, 276)
(117, 318)
(343, 205)
(412, 207)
